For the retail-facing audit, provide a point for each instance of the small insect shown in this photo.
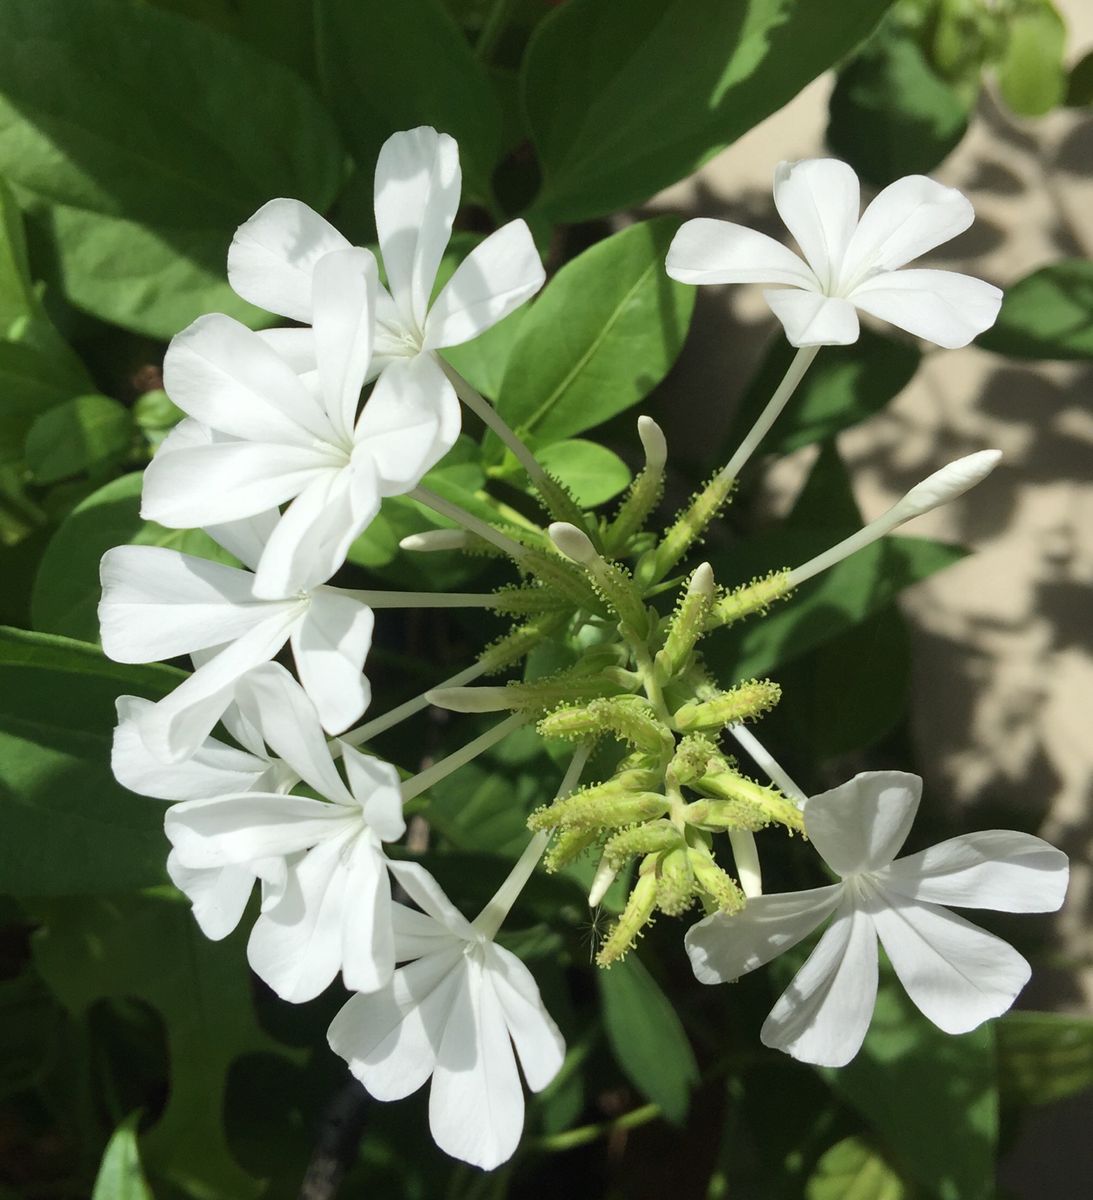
(593, 931)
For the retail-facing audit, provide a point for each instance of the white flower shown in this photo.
(218, 894)
(281, 437)
(453, 1012)
(275, 255)
(335, 910)
(956, 973)
(848, 263)
(158, 603)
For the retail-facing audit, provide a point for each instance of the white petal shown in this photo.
(390, 1038)
(295, 346)
(860, 825)
(940, 306)
(157, 603)
(416, 934)
(310, 542)
(273, 255)
(345, 301)
(417, 194)
(253, 825)
(476, 1103)
(296, 947)
(222, 373)
(219, 895)
(368, 941)
(280, 708)
(214, 770)
(957, 974)
(811, 319)
(393, 338)
(330, 645)
(997, 868)
(539, 1042)
(175, 726)
(409, 422)
(428, 895)
(375, 784)
(227, 481)
(497, 276)
(818, 199)
(824, 1014)
(709, 251)
(246, 539)
(723, 947)
(906, 219)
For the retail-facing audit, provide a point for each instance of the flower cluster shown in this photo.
(292, 439)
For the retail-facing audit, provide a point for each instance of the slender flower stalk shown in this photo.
(746, 854)
(767, 763)
(469, 522)
(382, 599)
(423, 780)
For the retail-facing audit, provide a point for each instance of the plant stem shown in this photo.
(469, 522)
(423, 780)
(384, 599)
(765, 761)
(395, 716)
(583, 1134)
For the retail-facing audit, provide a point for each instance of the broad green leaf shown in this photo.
(931, 1097)
(484, 810)
(1079, 90)
(891, 113)
(67, 828)
(1048, 314)
(853, 1170)
(1032, 75)
(66, 588)
(31, 382)
(845, 385)
(385, 67)
(18, 302)
(120, 1175)
(150, 280)
(1043, 1057)
(149, 947)
(646, 1036)
(601, 336)
(591, 472)
(82, 434)
(625, 97)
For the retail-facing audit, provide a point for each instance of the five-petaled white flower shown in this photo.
(848, 263)
(158, 603)
(956, 973)
(274, 259)
(453, 1012)
(335, 910)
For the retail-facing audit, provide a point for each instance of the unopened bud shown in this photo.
(436, 539)
(573, 542)
(687, 623)
(601, 881)
(744, 702)
(653, 443)
(947, 484)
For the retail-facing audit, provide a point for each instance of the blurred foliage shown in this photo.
(135, 135)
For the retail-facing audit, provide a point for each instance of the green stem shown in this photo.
(583, 1134)
(469, 522)
(423, 780)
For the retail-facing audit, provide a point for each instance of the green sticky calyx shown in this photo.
(687, 624)
(688, 528)
(677, 887)
(639, 840)
(644, 493)
(529, 600)
(564, 578)
(744, 702)
(601, 806)
(519, 642)
(568, 844)
(730, 788)
(723, 891)
(754, 597)
(696, 756)
(635, 916)
(631, 719)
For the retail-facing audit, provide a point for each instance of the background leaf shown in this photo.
(1031, 74)
(1048, 314)
(853, 1170)
(1043, 1057)
(120, 1176)
(85, 433)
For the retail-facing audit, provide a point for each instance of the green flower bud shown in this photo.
(696, 756)
(744, 702)
(638, 840)
(744, 795)
(754, 597)
(687, 624)
(635, 916)
(645, 492)
(632, 719)
(602, 806)
(568, 844)
(677, 888)
(723, 891)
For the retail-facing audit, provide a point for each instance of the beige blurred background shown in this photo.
(1002, 702)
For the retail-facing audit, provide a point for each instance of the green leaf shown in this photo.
(602, 335)
(120, 1175)
(891, 114)
(625, 97)
(31, 382)
(67, 828)
(853, 1170)
(82, 434)
(1079, 89)
(1043, 1057)
(931, 1097)
(29, 1020)
(18, 302)
(591, 472)
(1031, 75)
(149, 947)
(66, 588)
(646, 1036)
(432, 79)
(1048, 314)
(149, 280)
(845, 385)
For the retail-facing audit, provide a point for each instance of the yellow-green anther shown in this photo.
(524, 601)
(687, 528)
(733, 788)
(612, 582)
(645, 492)
(567, 845)
(721, 888)
(676, 884)
(754, 597)
(696, 756)
(520, 642)
(564, 578)
(687, 623)
(635, 916)
(652, 838)
(742, 703)
(594, 808)
(632, 719)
